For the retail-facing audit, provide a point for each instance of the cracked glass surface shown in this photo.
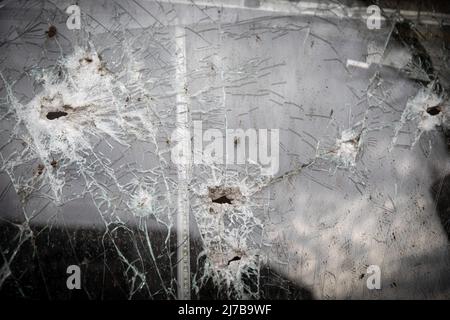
(87, 119)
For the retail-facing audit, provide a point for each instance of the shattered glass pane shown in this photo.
(94, 116)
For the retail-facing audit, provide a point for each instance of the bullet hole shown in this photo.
(102, 68)
(40, 169)
(51, 32)
(434, 110)
(355, 140)
(87, 59)
(361, 276)
(222, 195)
(236, 258)
(54, 163)
(236, 141)
(52, 115)
(222, 199)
